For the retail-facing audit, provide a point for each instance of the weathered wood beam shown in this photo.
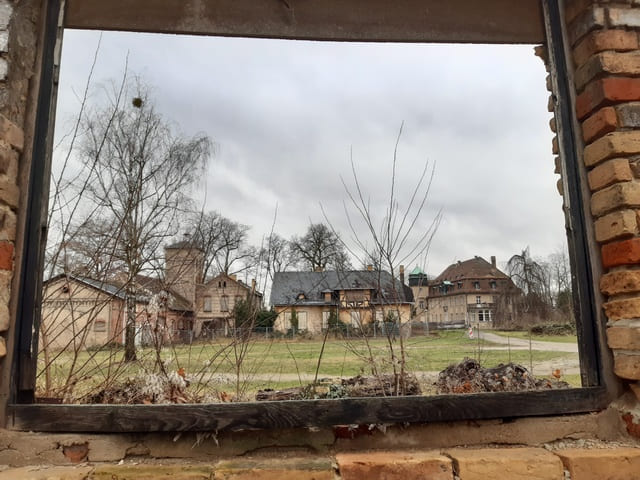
(302, 413)
(477, 21)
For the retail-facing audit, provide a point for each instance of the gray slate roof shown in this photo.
(287, 286)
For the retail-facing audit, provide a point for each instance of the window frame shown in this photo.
(23, 414)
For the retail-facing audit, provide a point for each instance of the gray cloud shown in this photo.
(286, 116)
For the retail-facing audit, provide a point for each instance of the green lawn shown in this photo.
(216, 366)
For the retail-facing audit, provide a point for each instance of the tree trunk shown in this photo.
(130, 329)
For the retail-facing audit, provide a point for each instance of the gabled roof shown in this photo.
(476, 267)
(116, 289)
(287, 286)
(230, 278)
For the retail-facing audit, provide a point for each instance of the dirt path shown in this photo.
(522, 344)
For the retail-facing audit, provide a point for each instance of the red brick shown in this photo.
(601, 464)
(76, 453)
(605, 92)
(394, 466)
(607, 173)
(622, 281)
(624, 252)
(601, 122)
(623, 338)
(602, 40)
(6, 256)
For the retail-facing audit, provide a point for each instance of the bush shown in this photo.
(553, 329)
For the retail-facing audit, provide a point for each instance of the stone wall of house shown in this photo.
(605, 46)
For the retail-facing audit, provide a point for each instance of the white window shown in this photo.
(206, 304)
(100, 326)
(355, 319)
(325, 320)
(302, 321)
(478, 299)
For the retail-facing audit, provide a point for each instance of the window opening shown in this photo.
(189, 272)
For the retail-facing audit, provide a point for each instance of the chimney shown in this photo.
(318, 269)
(493, 261)
(402, 274)
(253, 284)
(370, 268)
(233, 277)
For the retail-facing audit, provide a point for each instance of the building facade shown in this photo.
(355, 300)
(472, 292)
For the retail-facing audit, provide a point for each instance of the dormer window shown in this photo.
(301, 296)
(493, 285)
(476, 285)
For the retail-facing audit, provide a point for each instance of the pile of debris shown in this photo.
(147, 388)
(385, 385)
(470, 377)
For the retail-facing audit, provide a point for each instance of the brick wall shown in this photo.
(604, 39)
(606, 54)
(11, 146)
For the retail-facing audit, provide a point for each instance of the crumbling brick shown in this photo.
(618, 195)
(622, 281)
(513, 463)
(607, 173)
(628, 115)
(606, 91)
(603, 40)
(613, 63)
(622, 309)
(614, 144)
(618, 224)
(10, 133)
(601, 464)
(591, 19)
(394, 465)
(623, 338)
(623, 17)
(626, 366)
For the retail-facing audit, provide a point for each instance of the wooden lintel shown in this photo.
(302, 413)
(455, 21)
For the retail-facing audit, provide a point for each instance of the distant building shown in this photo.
(358, 299)
(80, 312)
(471, 292)
(418, 282)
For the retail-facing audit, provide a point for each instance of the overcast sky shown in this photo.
(286, 115)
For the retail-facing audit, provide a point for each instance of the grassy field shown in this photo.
(217, 366)
(524, 335)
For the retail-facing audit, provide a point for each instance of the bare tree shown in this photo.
(141, 172)
(321, 248)
(223, 241)
(532, 278)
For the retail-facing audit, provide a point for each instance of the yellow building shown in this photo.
(472, 292)
(359, 300)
